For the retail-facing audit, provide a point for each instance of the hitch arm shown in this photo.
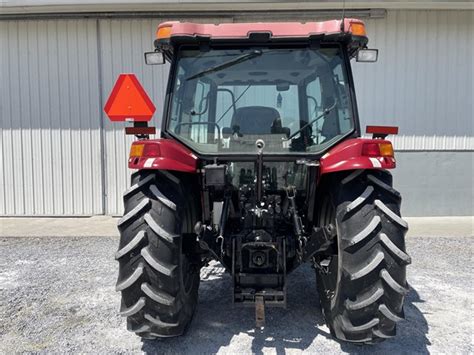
(259, 311)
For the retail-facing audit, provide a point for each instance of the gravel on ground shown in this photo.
(57, 295)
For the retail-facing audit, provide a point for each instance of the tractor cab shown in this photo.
(289, 85)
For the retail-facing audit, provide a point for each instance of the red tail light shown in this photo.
(148, 150)
(151, 150)
(377, 149)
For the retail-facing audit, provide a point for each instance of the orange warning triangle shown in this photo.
(129, 100)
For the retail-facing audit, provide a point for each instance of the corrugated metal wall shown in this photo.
(60, 156)
(50, 118)
(423, 80)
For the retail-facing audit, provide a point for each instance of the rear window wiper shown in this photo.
(239, 59)
(310, 123)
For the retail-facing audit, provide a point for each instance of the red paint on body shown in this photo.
(348, 156)
(169, 155)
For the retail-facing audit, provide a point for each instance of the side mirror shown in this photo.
(367, 55)
(154, 58)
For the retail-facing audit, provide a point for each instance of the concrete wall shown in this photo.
(435, 183)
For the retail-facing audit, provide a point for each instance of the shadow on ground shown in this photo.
(411, 334)
(299, 327)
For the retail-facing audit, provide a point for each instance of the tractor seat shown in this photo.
(255, 119)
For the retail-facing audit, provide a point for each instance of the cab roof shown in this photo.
(350, 31)
(273, 29)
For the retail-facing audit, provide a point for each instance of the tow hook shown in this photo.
(259, 311)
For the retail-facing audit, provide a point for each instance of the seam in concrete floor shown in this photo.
(105, 226)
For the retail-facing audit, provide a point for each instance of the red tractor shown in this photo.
(260, 166)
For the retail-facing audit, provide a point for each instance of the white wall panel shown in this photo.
(50, 129)
(423, 80)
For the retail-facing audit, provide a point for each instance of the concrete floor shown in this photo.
(99, 226)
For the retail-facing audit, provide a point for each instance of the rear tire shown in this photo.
(158, 281)
(362, 283)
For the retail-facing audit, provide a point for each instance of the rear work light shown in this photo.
(146, 150)
(384, 149)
